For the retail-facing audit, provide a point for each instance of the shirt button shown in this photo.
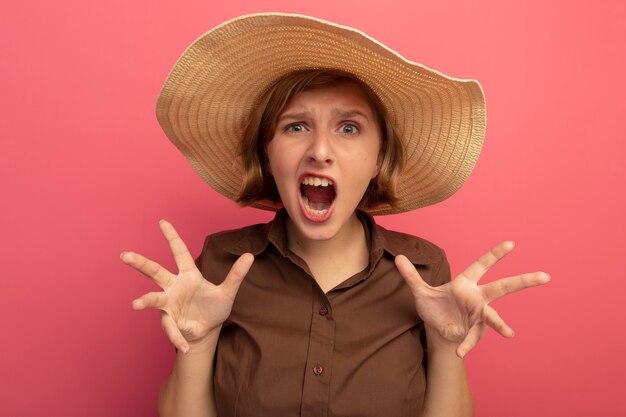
(323, 311)
(318, 369)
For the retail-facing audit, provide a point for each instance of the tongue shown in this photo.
(319, 198)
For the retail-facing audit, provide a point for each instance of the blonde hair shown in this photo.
(258, 184)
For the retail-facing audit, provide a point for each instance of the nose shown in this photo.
(320, 149)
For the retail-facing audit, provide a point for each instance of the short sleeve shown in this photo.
(443, 273)
(211, 262)
(199, 260)
(214, 262)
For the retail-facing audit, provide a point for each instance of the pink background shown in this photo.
(85, 173)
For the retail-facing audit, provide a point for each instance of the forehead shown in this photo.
(344, 94)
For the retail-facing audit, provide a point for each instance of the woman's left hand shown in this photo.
(459, 310)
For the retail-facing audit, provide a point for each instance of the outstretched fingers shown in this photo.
(471, 340)
(490, 318)
(504, 286)
(237, 273)
(410, 274)
(151, 300)
(493, 320)
(147, 267)
(478, 268)
(173, 333)
(182, 256)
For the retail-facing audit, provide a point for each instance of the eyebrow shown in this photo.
(348, 114)
(295, 116)
(342, 114)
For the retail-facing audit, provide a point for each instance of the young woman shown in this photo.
(320, 312)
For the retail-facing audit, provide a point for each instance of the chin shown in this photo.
(317, 233)
(318, 229)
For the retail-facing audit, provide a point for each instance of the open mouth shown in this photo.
(317, 195)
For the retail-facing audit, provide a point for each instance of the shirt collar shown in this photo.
(396, 243)
(254, 239)
(251, 239)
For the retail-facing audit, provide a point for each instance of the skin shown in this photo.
(330, 133)
(326, 133)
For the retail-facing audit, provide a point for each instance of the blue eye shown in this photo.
(295, 127)
(349, 129)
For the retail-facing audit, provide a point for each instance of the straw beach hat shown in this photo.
(206, 100)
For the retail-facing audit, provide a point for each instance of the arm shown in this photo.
(192, 313)
(189, 389)
(447, 391)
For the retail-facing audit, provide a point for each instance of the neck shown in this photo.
(333, 260)
(350, 236)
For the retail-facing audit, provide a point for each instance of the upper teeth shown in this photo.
(315, 181)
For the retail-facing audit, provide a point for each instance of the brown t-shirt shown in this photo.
(288, 349)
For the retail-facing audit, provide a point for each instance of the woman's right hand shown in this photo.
(192, 308)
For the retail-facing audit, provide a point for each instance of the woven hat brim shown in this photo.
(206, 100)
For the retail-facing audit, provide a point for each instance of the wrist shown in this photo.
(436, 341)
(206, 343)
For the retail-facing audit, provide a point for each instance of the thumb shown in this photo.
(237, 273)
(409, 273)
